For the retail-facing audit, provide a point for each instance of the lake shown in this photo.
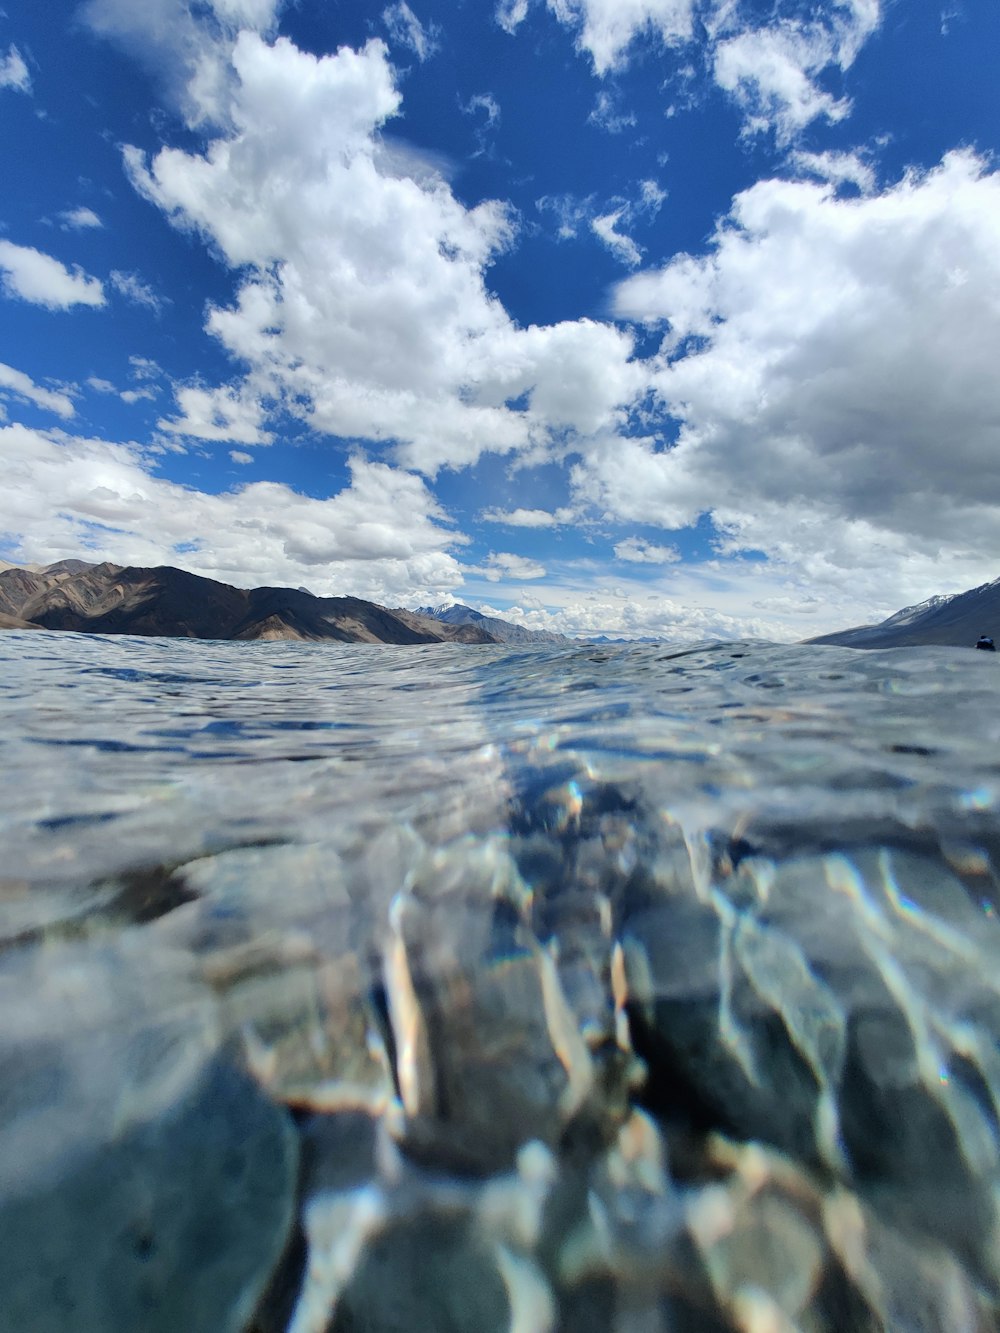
(631, 987)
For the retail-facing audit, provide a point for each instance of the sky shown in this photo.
(669, 318)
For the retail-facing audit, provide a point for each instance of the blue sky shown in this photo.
(644, 317)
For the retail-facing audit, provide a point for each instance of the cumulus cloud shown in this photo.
(219, 414)
(363, 305)
(14, 72)
(686, 604)
(838, 168)
(185, 43)
(831, 367)
(22, 386)
(637, 551)
(79, 219)
(31, 275)
(406, 30)
(383, 537)
(501, 565)
(607, 28)
(238, 456)
(144, 374)
(527, 518)
(772, 71)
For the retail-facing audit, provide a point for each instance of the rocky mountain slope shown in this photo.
(115, 599)
(958, 621)
(502, 631)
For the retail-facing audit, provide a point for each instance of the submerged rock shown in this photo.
(145, 1181)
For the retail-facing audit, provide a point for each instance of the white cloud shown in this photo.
(605, 228)
(144, 368)
(607, 28)
(238, 456)
(36, 277)
(651, 199)
(79, 219)
(571, 212)
(527, 518)
(637, 551)
(144, 378)
(405, 29)
(22, 386)
(831, 365)
(486, 104)
(771, 71)
(132, 287)
(574, 214)
(363, 305)
(502, 565)
(14, 72)
(683, 604)
(838, 168)
(383, 537)
(771, 74)
(607, 115)
(511, 14)
(219, 414)
(187, 46)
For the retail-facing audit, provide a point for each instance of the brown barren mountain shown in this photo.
(169, 602)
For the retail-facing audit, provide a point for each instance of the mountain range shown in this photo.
(125, 599)
(503, 631)
(117, 599)
(957, 621)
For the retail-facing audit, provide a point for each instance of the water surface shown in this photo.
(400, 884)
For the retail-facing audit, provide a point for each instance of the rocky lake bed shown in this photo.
(452, 987)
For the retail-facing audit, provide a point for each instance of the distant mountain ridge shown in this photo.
(503, 631)
(170, 602)
(955, 620)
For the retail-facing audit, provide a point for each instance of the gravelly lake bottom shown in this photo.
(641, 989)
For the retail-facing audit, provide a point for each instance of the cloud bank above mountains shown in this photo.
(815, 382)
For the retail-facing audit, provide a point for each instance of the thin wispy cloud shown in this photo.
(14, 72)
(406, 30)
(24, 388)
(134, 289)
(79, 219)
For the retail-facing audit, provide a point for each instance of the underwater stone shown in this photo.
(145, 1182)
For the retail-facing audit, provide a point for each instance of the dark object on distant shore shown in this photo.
(169, 602)
(986, 643)
(950, 621)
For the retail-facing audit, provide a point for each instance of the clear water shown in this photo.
(199, 796)
(124, 753)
